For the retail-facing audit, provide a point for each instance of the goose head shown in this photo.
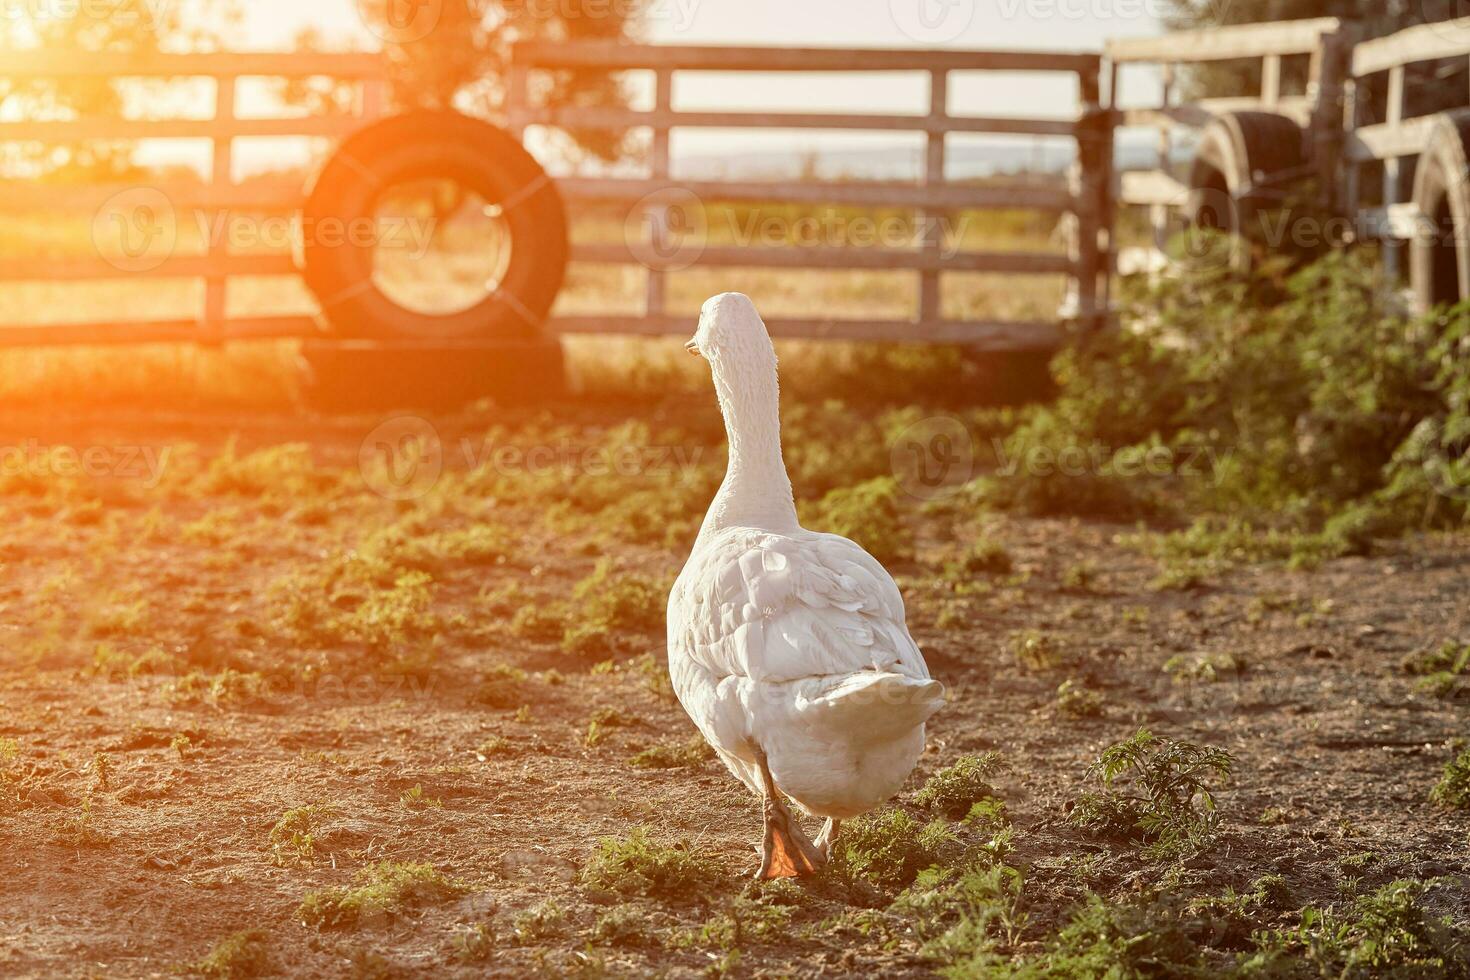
(733, 338)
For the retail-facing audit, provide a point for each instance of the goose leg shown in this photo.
(785, 850)
(827, 837)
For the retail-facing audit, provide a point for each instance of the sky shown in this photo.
(1069, 25)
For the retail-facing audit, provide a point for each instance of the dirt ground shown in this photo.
(166, 712)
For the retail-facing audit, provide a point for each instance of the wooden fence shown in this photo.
(215, 195)
(1086, 198)
(1342, 144)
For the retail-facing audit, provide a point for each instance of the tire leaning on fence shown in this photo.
(1246, 166)
(1439, 253)
(376, 352)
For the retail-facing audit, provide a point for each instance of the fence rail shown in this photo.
(1085, 198)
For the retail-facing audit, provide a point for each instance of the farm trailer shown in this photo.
(1270, 149)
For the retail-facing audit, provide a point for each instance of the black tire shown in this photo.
(1439, 254)
(1247, 164)
(423, 145)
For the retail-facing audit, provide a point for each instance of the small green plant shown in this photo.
(621, 926)
(984, 557)
(1444, 672)
(475, 944)
(889, 848)
(636, 865)
(379, 892)
(867, 513)
(1453, 788)
(1080, 576)
(235, 957)
(693, 751)
(1077, 701)
(608, 607)
(415, 798)
(1155, 789)
(954, 789)
(294, 837)
(1038, 651)
(1388, 932)
(543, 921)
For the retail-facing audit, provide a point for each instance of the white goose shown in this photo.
(788, 647)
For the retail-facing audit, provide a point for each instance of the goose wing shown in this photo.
(775, 607)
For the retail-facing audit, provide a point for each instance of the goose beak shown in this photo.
(692, 348)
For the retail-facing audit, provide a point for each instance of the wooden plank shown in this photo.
(1392, 172)
(618, 56)
(802, 257)
(658, 218)
(82, 268)
(154, 331)
(1271, 78)
(1152, 187)
(1200, 113)
(66, 130)
(273, 195)
(862, 193)
(221, 64)
(1386, 140)
(1425, 42)
(931, 300)
(1224, 43)
(981, 334)
(217, 284)
(584, 117)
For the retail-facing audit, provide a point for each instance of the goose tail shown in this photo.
(872, 706)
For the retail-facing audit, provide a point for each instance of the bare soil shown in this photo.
(139, 833)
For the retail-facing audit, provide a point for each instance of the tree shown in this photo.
(68, 34)
(458, 59)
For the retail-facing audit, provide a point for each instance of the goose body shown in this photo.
(788, 647)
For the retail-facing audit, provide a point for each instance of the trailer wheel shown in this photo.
(338, 259)
(1244, 168)
(1439, 253)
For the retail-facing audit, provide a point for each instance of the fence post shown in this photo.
(1091, 182)
(217, 249)
(931, 224)
(658, 218)
(1394, 115)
